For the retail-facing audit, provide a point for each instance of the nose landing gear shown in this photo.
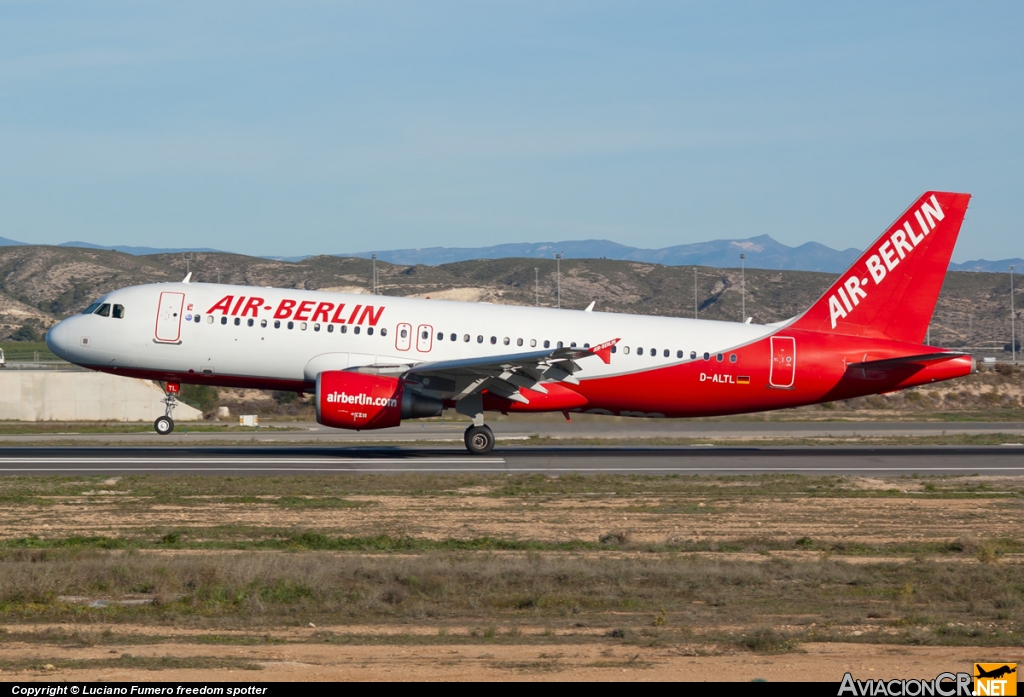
(164, 425)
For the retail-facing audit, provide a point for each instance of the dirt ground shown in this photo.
(646, 518)
(310, 662)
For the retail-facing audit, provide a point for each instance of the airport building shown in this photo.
(59, 395)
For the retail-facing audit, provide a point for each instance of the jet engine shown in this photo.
(361, 401)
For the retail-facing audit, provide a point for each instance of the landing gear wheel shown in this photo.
(479, 440)
(164, 425)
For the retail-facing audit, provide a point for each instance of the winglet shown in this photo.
(604, 351)
(188, 277)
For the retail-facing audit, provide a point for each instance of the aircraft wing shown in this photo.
(503, 376)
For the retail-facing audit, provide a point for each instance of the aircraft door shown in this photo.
(168, 318)
(783, 368)
(424, 338)
(403, 337)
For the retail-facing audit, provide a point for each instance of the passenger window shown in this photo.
(559, 344)
(719, 358)
(533, 343)
(453, 337)
(494, 339)
(572, 345)
(330, 329)
(369, 331)
(654, 352)
(104, 310)
(263, 324)
(316, 326)
(666, 353)
(355, 330)
(639, 351)
(587, 345)
(625, 350)
(302, 326)
(440, 336)
(118, 311)
(91, 309)
(479, 339)
(223, 320)
(707, 356)
(209, 319)
(238, 321)
(693, 355)
(679, 354)
(615, 349)
(547, 344)
(277, 324)
(251, 321)
(383, 331)
(343, 329)
(519, 342)
(732, 357)
(291, 325)
(465, 337)
(506, 341)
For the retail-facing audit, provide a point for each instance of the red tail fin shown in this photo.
(891, 290)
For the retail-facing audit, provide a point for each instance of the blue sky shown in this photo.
(318, 127)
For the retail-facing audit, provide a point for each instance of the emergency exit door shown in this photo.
(168, 317)
(424, 338)
(783, 369)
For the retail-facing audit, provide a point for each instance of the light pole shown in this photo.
(558, 278)
(695, 292)
(374, 257)
(536, 287)
(1013, 328)
(743, 288)
(218, 276)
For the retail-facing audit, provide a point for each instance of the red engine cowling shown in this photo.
(361, 401)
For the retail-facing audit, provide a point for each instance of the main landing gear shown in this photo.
(479, 439)
(165, 424)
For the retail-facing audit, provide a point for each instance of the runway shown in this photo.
(583, 427)
(553, 461)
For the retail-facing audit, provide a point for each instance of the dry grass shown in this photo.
(763, 606)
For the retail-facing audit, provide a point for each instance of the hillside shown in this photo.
(43, 284)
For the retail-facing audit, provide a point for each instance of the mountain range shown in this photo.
(761, 252)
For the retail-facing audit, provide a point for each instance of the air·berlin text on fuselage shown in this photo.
(300, 311)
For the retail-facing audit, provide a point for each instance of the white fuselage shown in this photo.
(232, 344)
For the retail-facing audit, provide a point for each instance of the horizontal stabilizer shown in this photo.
(908, 361)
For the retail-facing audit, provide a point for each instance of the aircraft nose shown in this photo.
(57, 339)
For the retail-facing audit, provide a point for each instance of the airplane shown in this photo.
(372, 361)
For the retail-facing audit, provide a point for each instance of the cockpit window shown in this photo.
(104, 310)
(118, 311)
(91, 309)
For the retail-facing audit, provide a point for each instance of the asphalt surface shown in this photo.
(582, 427)
(718, 460)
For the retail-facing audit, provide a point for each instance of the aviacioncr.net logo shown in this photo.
(943, 685)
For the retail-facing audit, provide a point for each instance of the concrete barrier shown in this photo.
(50, 395)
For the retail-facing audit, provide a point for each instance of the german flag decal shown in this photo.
(742, 379)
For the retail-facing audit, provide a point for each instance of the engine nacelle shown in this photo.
(361, 401)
